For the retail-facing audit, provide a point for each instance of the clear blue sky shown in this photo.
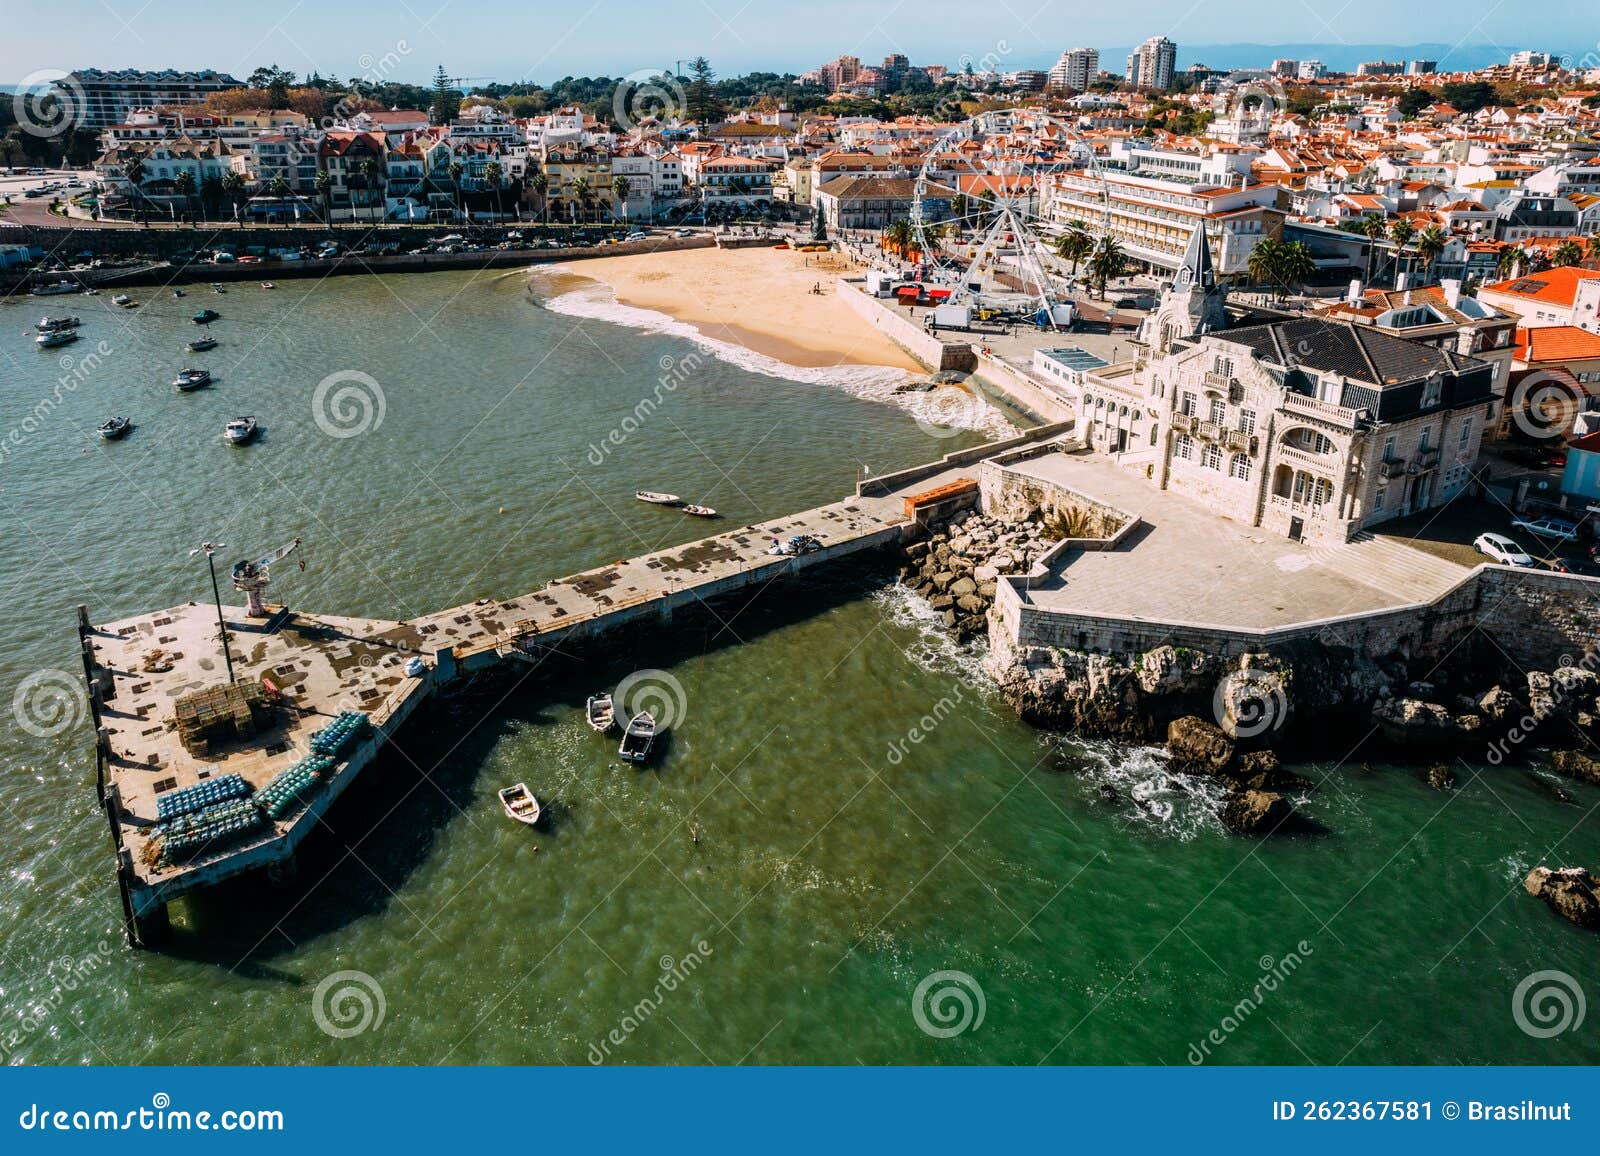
(543, 40)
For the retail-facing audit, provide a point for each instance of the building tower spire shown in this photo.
(1194, 305)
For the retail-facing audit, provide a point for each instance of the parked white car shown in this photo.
(1557, 529)
(1499, 548)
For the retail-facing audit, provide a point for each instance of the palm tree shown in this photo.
(580, 192)
(1430, 244)
(900, 237)
(210, 194)
(455, 169)
(184, 185)
(1512, 259)
(370, 170)
(133, 169)
(491, 173)
(280, 189)
(1401, 233)
(232, 186)
(619, 196)
(1108, 263)
(1264, 260)
(1374, 229)
(1569, 252)
(1295, 265)
(323, 183)
(1075, 244)
(539, 183)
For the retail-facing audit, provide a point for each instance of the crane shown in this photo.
(252, 578)
(461, 81)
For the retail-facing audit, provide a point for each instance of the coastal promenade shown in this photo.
(316, 667)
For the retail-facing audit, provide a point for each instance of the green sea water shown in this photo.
(844, 812)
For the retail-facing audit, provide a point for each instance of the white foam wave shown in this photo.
(933, 647)
(875, 383)
(1149, 792)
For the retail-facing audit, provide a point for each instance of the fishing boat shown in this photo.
(122, 299)
(201, 344)
(56, 324)
(602, 715)
(638, 738)
(113, 428)
(656, 498)
(56, 288)
(59, 337)
(191, 379)
(240, 430)
(519, 804)
(206, 316)
(700, 511)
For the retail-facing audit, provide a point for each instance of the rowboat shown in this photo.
(601, 714)
(520, 804)
(113, 428)
(657, 498)
(638, 738)
(700, 511)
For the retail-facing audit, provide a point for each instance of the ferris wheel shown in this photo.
(991, 200)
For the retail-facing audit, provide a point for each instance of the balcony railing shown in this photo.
(1424, 461)
(1325, 410)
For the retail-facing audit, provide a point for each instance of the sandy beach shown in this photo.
(759, 298)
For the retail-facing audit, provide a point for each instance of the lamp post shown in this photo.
(209, 549)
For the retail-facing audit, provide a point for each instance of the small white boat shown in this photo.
(217, 287)
(638, 738)
(179, 293)
(59, 337)
(240, 430)
(122, 299)
(601, 714)
(657, 498)
(191, 379)
(520, 804)
(268, 285)
(113, 428)
(200, 345)
(700, 511)
(56, 289)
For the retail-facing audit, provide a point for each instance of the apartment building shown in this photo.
(1153, 63)
(1565, 296)
(1076, 69)
(102, 98)
(1154, 200)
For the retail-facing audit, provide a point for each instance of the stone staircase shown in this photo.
(1390, 565)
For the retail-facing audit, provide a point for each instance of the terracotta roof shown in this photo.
(1560, 343)
(1552, 286)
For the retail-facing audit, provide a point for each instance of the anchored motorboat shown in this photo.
(520, 804)
(657, 498)
(240, 430)
(113, 428)
(56, 289)
(601, 714)
(56, 324)
(206, 316)
(191, 379)
(59, 337)
(700, 511)
(638, 738)
(201, 344)
(218, 287)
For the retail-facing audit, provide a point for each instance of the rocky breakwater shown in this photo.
(1571, 892)
(957, 565)
(1257, 785)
